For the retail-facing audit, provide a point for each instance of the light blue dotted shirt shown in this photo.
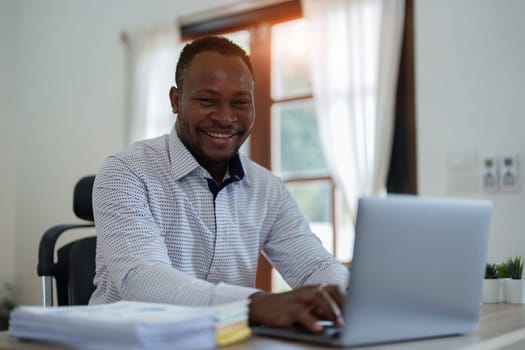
(162, 237)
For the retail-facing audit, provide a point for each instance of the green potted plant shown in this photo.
(492, 285)
(515, 267)
(502, 270)
(7, 303)
(514, 284)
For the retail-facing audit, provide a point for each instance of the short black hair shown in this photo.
(212, 43)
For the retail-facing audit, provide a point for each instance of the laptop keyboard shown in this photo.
(329, 331)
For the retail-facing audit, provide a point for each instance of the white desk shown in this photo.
(502, 327)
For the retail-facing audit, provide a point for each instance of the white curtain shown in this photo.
(151, 58)
(355, 60)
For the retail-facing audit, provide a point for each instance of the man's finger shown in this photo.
(330, 307)
(336, 293)
(306, 319)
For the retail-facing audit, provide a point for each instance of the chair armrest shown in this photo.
(46, 249)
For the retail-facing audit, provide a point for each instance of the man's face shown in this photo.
(214, 106)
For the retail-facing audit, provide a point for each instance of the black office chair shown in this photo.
(74, 269)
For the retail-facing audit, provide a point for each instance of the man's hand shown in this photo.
(305, 305)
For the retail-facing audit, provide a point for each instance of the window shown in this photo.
(296, 148)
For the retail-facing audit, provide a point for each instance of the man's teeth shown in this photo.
(222, 136)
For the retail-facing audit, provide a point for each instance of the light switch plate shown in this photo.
(489, 173)
(509, 173)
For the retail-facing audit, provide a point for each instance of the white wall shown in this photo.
(8, 10)
(470, 103)
(68, 107)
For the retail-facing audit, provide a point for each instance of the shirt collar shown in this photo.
(235, 168)
(183, 162)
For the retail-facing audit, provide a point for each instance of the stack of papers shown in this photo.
(132, 325)
(231, 323)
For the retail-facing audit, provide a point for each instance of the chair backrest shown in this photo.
(74, 268)
(82, 198)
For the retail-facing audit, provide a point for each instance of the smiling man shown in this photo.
(182, 218)
(215, 107)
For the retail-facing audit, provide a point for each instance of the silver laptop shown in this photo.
(417, 272)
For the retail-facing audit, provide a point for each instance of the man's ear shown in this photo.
(174, 99)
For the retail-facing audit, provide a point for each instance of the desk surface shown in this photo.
(502, 326)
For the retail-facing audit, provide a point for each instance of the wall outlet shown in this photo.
(509, 173)
(489, 173)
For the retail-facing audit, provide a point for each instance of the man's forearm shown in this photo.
(163, 284)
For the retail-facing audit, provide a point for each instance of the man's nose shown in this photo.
(224, 114)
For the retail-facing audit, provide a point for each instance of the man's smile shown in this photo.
(221, 135)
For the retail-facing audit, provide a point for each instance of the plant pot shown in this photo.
(515, 291)
(493, 291)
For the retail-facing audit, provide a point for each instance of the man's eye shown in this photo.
(241, 104)
(206, 102)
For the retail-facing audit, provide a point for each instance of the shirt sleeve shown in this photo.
(297, 253)
(131, 246)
